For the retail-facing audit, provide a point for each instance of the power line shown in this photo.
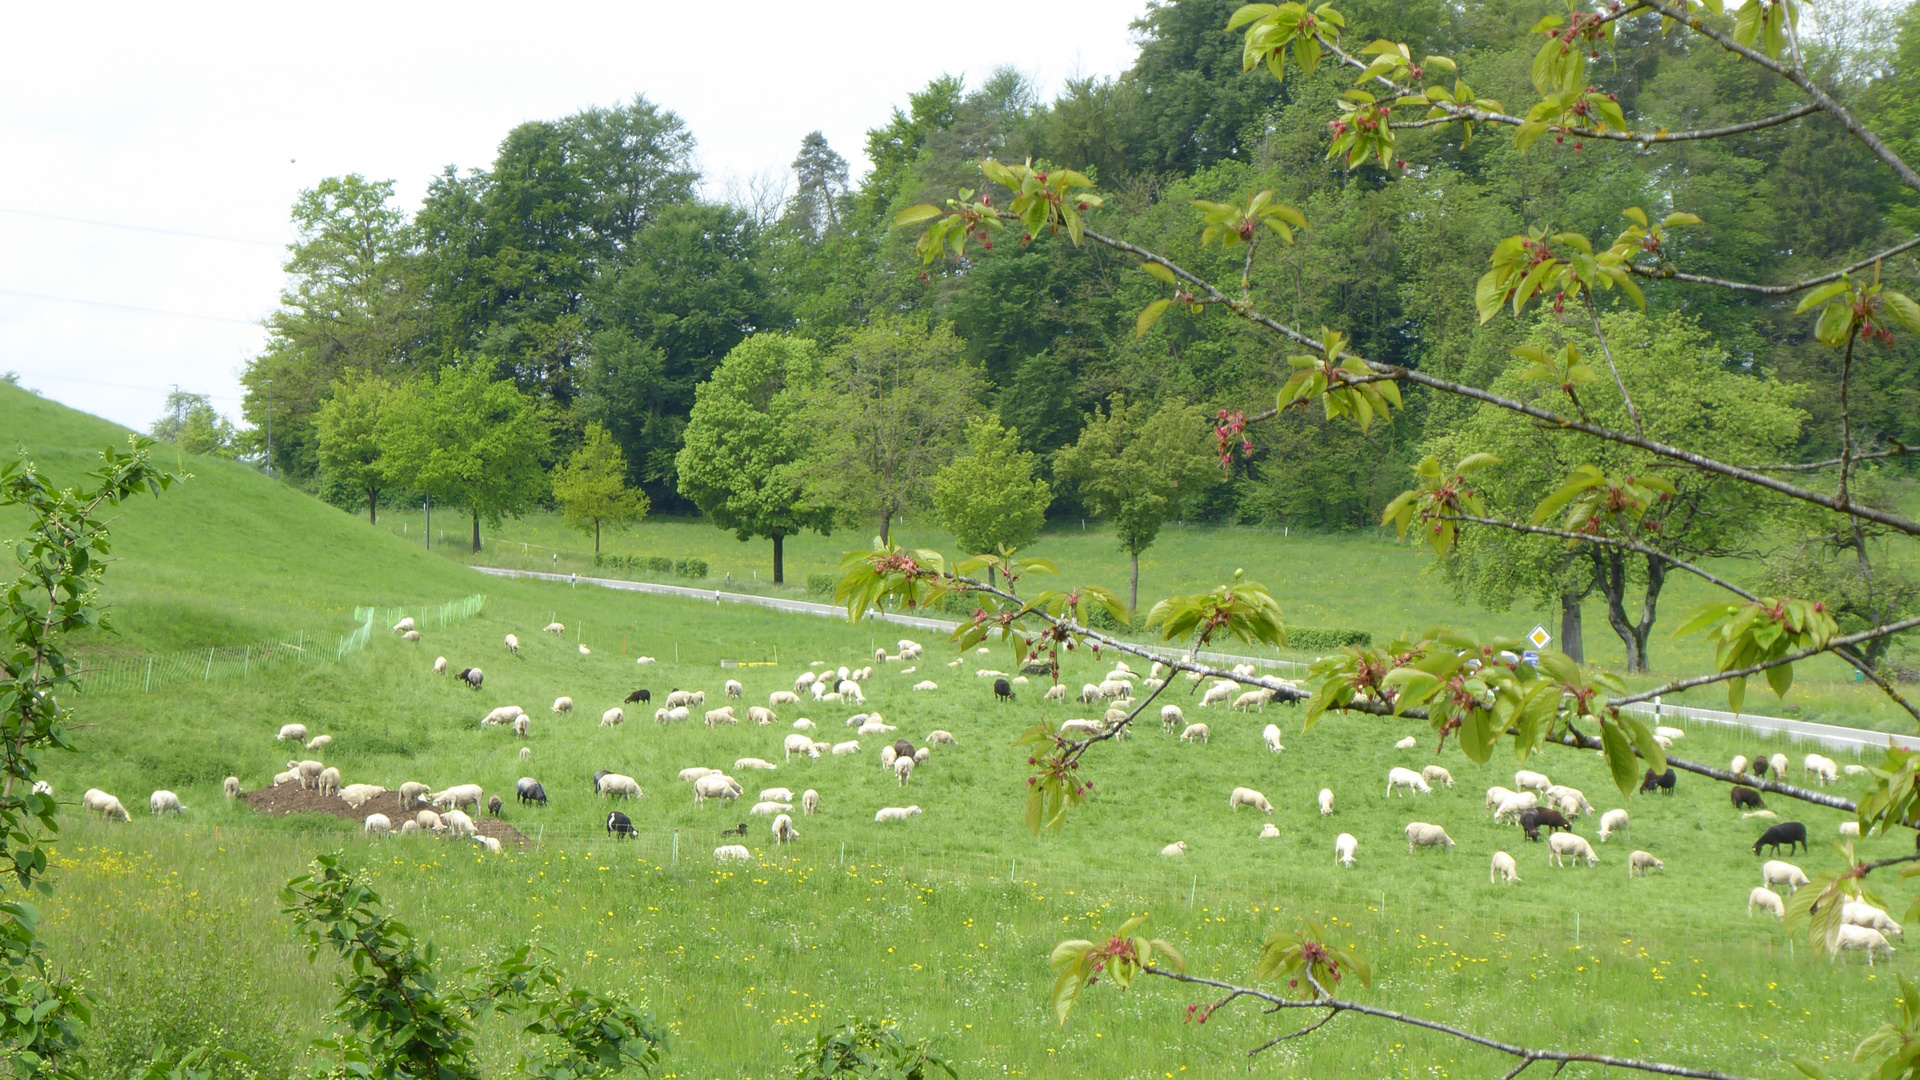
(127, 307)
(117, 385)
(140, 228)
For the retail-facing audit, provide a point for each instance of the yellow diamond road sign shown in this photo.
(1540, 638)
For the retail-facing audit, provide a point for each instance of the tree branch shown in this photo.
(1815, 466)
(1608, 541)
(1458, 113)
(1606, 350)
(1835, 645)
(1579, 741)
(1663, 274)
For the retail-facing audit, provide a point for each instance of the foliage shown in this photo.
(467, 441)
(591, 487)
(1242, 609)
(821, 584)
(866, 1050)
(1307, 955)
(989, 497)
(195, 426)
(1759, 633)
(690, 568)
(1121, 958)
(1325, 639)
(347, 433)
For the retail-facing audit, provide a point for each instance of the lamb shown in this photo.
(292, 733)
(1864, 939)
(1326, 802)
(1497, 795)
(735, 690)
(679, 715)
(554, 628)
(404, 625)
(1767, 899)
(563, 704)
(799, 744)
(1056, 692)
(1196, 733)
(1640, 862)
(1510, 809)
(412, 793)
(768, 808)
(941, 738)
(1271, 736)
(1787, 832)
(1565, 843)
(164, 802)
(428, 821)
(755, 763)
(760, 716)
(809, 801)
(888, 755)
(782, 697)
(1776, 872)
(459, 825)
(1171, 717)
(715, 786)
(677, 698)
(805, 680)
(1531, 781)
(1269, 831)
(319, 742)
(1434, 774)
(457, 796)
(1559, 792)
(1421, 834)
(1855, 913)
(850, 690)
(1745, 797)
(530, 791)
(925, 686)
(844, 748)
(1174, 850)
(522, 726)
(1248, 797)
(1345, 847)
(409, 827)
(377, 825)
(722, 715)
(439, 665)
(357, 794)
(903, 769)
(329, 781)
(231, 786)
(1611, 822)
(895, 813)
(411, 635)
(1252, 699)
(1504, 868)
(1407, 743)
(783, 831)
(804, 724)
(1216, 694)
(613, 717)
(1398, 778)
(513, 644)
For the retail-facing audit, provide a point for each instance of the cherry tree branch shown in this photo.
(1895, 451)
(1663, 274)
(1834, 645)
(1458, 113)
(1607, 541)
(1577, 740)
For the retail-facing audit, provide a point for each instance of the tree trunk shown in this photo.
(476, 532)
(779, 559)
(1571, 641)
(1656, 580)
(886, 527)
(1610, 572)
(1133, 594)
(373, 506)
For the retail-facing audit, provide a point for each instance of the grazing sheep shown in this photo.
(458, 825)
(1271, 736)
(505, 714)
(769, 807)
(1407, 743)
(921, 755)
(457, 796)
(842, 749)
(1565, 843)
(526, 754)
(761, 716)
(695, 773)
(356, 794)
(677, 698)
(1326, 802)
(734, 689)
(809, 801)
(941, 738)
(1776, 872)
(1421, 834)
(308, 772)
(783, 831)
(895, 813)
(493, 806)
(1398, 778)
(888, 755)
(377, 825)
(677, 715)
(1196, 733)
(1170, 718)
(1824, 769)
(231, 785)
(584, 651)
(1850, 828)
(164, 802)
(1745, 797)
(1855, 770)
(613, 717)
(1779, 764)
(903, 770)
(292, 733)
(1514, 804)
(472, 676)
(1504, 869)
(1434, 774)
(925, 685)
(428, 821)
(319, 742)
(554, 628)
(1497, 795)
(1738, 766)
(804, 724)
(411, 636)
(1789, 833)
(1559, 791)
(850, 690)
(1767, 899)
(404, 625)
(1218, 694)
(1531, 781)
(783, 697)
(1640, 862)
(1670, 732)
(513, 644)
(715, 786)
(1862, 939)
(755, 763)
(733, 853)
(722, 715)
(412, 793)
(799, 744)
(1056, 692)
(530, 791)
(522, 726)
(1079, 727)
(1002, 690)
(329, 781)
(1252, 699)
(1664, 782)
(1768, 814)
(1532, 820)
(1174, 850)
(563, 704)
(439, 665)
(409, 827)
(1613, 821)
(1248, 797)
(1855, 913)
(1345, 847)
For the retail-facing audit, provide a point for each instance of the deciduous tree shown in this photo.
(348, 433)
(467, 441)
(990, 497)
(591, 487)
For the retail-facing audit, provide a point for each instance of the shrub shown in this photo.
(1321, 639)
(660, 564)
(601, 560)
(821, 584)
(691, 568)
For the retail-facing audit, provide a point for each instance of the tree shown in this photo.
(889, 410)
(1134, 471)
(195, 426)
(591, 487)
(468, 441)
(347, 430)
(744, 458)
(989, 497)
(820, 176)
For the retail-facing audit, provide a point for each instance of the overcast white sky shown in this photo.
(197, 125)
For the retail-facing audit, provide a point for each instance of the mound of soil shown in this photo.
(292, 799)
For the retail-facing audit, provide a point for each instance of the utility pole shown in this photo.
(269, 427)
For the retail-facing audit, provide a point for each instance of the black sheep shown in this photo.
(1746, 798)
(639, 695)
(472, 676)
(902, 748)
(1003, 690)
(737, 830)
(1787, 832)
(619, 826)
(1663, 781)
(1759, 768)
(1531, 820)
(530, 791)
(493, 806)
(596, 779)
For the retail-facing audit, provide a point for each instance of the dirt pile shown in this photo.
(292, 799)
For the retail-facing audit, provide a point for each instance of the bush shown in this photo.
(821, 584)
(601, 560)
(1318, 639)
(660, 564)
(691, 568)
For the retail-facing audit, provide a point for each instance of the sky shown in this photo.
(156, 149)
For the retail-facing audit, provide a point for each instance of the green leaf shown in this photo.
(1150, 316)
(1903, 309)
(1821, 295)
(1620, 760)
(1250, 13)
(1160, 272)
(914, 215)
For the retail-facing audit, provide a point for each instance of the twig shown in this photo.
(1578, 740)
(1815, 466)
(1458, 113)
(1608, 541)
(1308, 1030)
(1833, 645)
(1846, 421)
(1664, 274)
(1606, 350)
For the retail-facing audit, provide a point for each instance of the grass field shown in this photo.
(942, 922)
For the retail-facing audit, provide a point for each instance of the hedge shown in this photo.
(691, 568)
(1322, 639)
(821, 584)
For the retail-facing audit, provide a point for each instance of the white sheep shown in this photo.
(1767, 814)
(799, 744)
(563, 704)
(1766, 899)
(1827, 771)
(722, 715)
(941, 738)
(1196, 733)
(1407, 743)
(412, 793)
(768, 808)
(409, 827)
(1326, 802)
(584, 651)
(1862, 939)
(1056, 692)
(1345, 847)
(457, 796)
(615, 785)
(1079, 727)
(292, 733)
(1174, 850)
(458, 825)
(1611, 822)
(888, 755)
(895, 813)
(1738, 766)
(842, 749)
(1560, 792)
(850, 690)
(903, 769)
(355, 795)
(329, 781)
(762, 716)
(554, 628)
(428, 821)
(1511, 808)
(308, 772)
(1779, 764)
(1421, 834)
(921, 755)
(925, 685)
(809, 801)
(526, 754)
(1216, 694)
(404, 625)
(696, 772)
(733, 853)
(806, 679)
(411, 635)
(1640, 862)
(1562, 844)
(677, 715)
(164, 802)
(783, 830)
(1855, 770)
(1670, 733)
(804, 724)
(678, 698)
(1171, 718)
(1398, 778)
(1776, 872)
(734, 689)
(1504, 868)
(1497, 795)
(1271, 736)
(715, 786)
(1248, 797)
(1251, 700)
(613, 717)
(755, 763)
(319, 742)
(1434, 774)
(1531, 781)
(1269, 831)
(377, 825)
(1855, 913)
(1850, 828)
(439, 665)
(501, 716)
(513, 644)
(231, 785)
(523, 726)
